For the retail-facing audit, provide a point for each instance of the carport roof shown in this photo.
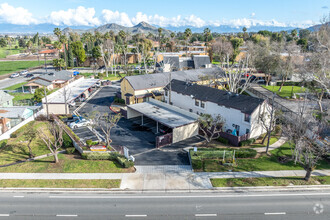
(73, 91)
(165, 114)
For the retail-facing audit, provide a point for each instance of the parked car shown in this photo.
(24, 72)
(73, 119)
(261, 81)
(79, 123)
(14, 75)
(51, 74)
(29, 75)
(98, 84)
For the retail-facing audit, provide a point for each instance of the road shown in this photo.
(13, 81)
(298, 205)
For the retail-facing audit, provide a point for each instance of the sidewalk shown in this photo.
(163, 180)
(277, 144)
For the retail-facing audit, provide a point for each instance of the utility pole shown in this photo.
(169, 94)
(45, 93)
(45, 64)
(271, 123)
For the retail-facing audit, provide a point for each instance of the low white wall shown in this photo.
(132, 113)
(185, 132)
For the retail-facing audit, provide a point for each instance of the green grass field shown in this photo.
(16, 66)
(286, 90)
(18, 96)
(61, 183)
(5, 51)
(263, 163)
(271, 141)
(16, 86)
(268, 181)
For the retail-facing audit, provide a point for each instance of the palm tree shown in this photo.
(57, 32)
(207, 34)
(122, 34)
(244, 29)
(172, 35)
(160, 30)
(187, 34)
(64, 40)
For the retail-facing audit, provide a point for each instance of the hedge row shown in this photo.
(247, 142)
(223, 140)
(289, 83)
(108, 156)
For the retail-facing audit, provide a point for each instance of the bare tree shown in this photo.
(223, 49)
(304, 132)
(54, 141)
(66, 94)
(211, 126)
(107, 47)
(30, 135)
(105, 122)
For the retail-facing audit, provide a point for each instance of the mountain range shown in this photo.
(142, 27)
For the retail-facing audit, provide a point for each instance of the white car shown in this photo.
(24, 72)
(79, 123)
(14, 75)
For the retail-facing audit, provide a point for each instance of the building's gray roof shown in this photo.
(60, 75)
(201, 61)
(165, 114)
(5, 97)
(148, 81)
(173, 60)
(244, 103)
(12, 112)
(42, 82)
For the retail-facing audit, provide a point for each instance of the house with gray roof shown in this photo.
(139, 88)
(6, 100)
(50, 81)
(241, 112)
(176, 63)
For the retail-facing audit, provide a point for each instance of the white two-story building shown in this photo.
(241, 112)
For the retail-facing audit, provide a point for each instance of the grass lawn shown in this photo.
(269, 181)
(15, 66)
(286, 90)
(272, 140)
(61, 183)
(5, 51)
(16, 86)
(16, 148)
(19, 96)
(263, 163)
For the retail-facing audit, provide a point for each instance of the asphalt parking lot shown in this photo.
(139, 141)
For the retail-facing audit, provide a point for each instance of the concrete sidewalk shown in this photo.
(163, 180)
(277, 144)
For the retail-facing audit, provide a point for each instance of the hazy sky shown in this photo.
(165, 13)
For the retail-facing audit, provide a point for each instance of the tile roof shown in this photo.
(244, 103)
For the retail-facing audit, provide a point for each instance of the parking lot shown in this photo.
(139, 140)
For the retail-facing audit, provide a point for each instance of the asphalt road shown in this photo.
(298, 205)
(13, 81)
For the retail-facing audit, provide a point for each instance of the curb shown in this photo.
(309, 188)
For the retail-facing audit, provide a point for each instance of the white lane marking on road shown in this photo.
(275, 213)
(205, 215)
(18, 196)
(133, 216)
(66, 215)
(4, 215)
(183, 197)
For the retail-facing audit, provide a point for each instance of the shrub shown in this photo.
(289, 83)
(223, 140)
(196, 164)
(89, 142)
(119, 100)
(67, 142)
(245, 153)
(246, 142)
(99, 156)
(70, 150)
(124, 162)
(13, 135)
(3, 143)
(277, 129)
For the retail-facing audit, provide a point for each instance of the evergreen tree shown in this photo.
(70, 56)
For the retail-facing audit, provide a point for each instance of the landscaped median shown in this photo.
(31, 183)
(269, 181)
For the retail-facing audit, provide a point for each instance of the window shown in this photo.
(8, 102)
(202, 104)
(247, 131)
(196, 102)
(247, 117)
(190, 110)
(166, 93)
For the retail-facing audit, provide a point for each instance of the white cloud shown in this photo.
(253, 14)
(12, 15)
(116, 17)
(80, 16)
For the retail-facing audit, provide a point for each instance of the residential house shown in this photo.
(50, 81)
(176, 63)
(241, 112)
(15, 115)
(6, 100)
(139, 88)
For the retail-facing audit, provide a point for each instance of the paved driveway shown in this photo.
(140, 142)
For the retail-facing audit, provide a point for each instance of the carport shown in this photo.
(169, 123)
